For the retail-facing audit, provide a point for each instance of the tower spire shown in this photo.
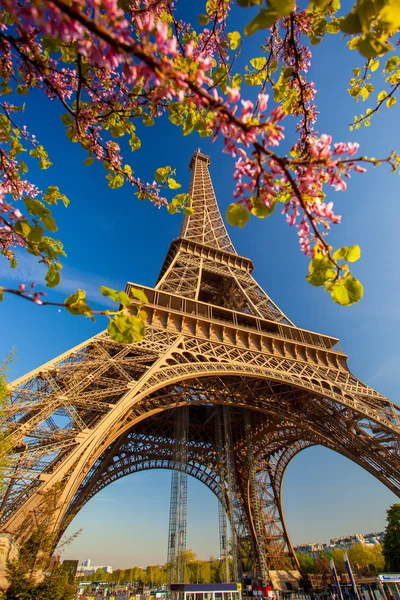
(205, 225)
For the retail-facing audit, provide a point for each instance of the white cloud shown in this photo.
(387, 372)
(29, 270)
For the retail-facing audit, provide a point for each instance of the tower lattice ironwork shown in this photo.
(178, 505)
(218, 348)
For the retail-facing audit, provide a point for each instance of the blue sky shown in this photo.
(111, 238)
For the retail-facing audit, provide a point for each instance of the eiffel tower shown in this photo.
(223, 387)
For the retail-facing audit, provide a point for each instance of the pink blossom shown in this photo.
(352, 148)
(233, 94)
(262, 102)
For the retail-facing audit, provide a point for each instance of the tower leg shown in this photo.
(223, 540)
(254, 503)
(178, 506)
(228, 485)
(269, 473)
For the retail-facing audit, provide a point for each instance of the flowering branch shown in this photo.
(110, 66)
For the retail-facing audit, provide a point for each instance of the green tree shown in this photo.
(138, 574)
(366, 560)
(28, 573)
(391, 542)
(99, 575)
(307, 564)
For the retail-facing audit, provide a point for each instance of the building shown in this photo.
(343, 543)
(86, 568)
(314, 549)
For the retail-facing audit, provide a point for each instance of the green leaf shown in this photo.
(236, 80)
(234, 39)
(320, 271)
(390, 15)
(382, 95)
(246, 3)
(374, 66)
(67, 119)
(280, 88)
(203, 19)
(44, 163)
(258, 63)
(237, 215)
(351, 23)
(126, 329)
(392, 63)
(162, 173)
(135, 143)
(188, 124)
(391, 102)
(347, 291)
(124, 299)
(370, 47)
(68, 53)
(353, 253)
(340, 253)
(35, 207)
(260, 210)
(282, 7)
(172, 184)
(88, 161)
(110, 293)
(23, 167)
(138, 294)
(147, 120)
(76, 304)
(320, 5)
(49, 222)
(35, 235)
(115, 182)
(117, 130)
(53, 195)
(22, 227)
(180, 200)
(187, 211)
(52, 277)
(263, 20)
(121, 297)
(22, 89)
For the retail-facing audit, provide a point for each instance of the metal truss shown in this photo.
(257, 391)
(223, 540)
(178, 505)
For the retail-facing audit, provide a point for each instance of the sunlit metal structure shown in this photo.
(178, 505)
(257, 390)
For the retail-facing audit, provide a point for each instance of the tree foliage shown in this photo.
(391, 543)
(197, 571)
(115, 64)
(28, 574)
(366, 560)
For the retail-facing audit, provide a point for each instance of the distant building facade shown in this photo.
(343, 543)
(86, 568)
